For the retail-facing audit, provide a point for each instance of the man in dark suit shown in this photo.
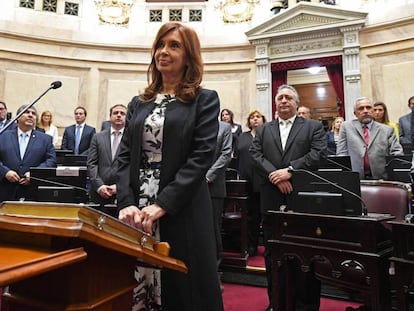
(404, 124)
(20, 149)
(106, 125)
(77, 137)
(102, 158)
(216, 179)
(288, 142)
(3, 115)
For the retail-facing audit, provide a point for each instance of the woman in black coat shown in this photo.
(246, 170)
(166, 150)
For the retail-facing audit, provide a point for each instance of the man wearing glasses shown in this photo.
(3, 115)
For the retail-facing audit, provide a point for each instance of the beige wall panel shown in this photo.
(120, 92)
(19, 87)
(234, 89)
(398, 77)
(386, 72)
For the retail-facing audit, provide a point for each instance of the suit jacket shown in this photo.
(331, 144)
(382, 143)
(304, 145)
(189, 140)
(5, 124)
(404, 128)
(39, 153)
(68, 140)
(245, 164)
(216, 175)
(106, 125)
(102, 170)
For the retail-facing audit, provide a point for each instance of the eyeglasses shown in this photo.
(1, 108)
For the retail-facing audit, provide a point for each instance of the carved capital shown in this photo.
(353, 78)
(262, 86)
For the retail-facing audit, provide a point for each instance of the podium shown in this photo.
(70, 257)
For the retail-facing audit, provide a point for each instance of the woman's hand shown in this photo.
(131, 215)
(149, 215)
(141, 219)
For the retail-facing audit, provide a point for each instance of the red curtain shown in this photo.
(278, 78)
(333, 65)
(335, 75)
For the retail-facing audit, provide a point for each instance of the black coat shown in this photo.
(304, 145)
(190, 134)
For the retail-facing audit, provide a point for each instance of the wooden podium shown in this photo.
(71, 257)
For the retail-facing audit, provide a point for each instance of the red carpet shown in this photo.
(250, 298)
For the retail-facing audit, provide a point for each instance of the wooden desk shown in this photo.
(403, 237)
(348, 252)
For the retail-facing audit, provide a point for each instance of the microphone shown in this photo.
(328, 159)
(364, 205)
(54, 85)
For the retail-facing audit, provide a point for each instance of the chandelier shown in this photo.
(115, 12)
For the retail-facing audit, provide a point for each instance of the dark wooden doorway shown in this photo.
(321, 99)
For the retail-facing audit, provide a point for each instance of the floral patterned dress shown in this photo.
(147, 295)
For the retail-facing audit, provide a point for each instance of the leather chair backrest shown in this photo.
(387, 197)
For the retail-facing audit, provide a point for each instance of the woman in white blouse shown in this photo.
(45, 123)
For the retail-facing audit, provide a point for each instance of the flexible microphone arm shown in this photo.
(54, 85)
(59, 184)
(398, 160)
(364, 205)
(325, 157)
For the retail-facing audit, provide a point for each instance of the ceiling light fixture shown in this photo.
(314, 70)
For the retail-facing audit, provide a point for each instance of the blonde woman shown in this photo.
(333, 135)
(45, 122)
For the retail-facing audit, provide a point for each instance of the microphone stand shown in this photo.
(54, 85)
(56, 183)
(398, 160)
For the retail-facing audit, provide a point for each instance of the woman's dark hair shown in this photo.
(385, 118)
(231, 114)
(192, 75)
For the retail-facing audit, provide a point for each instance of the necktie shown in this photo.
(366, 137)
(23, 144)
(115, 143)
(77, 138)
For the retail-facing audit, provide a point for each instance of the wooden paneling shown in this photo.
(320, 98)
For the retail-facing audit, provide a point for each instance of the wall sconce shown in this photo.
(115, 12)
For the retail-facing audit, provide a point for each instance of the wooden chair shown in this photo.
(234, 221)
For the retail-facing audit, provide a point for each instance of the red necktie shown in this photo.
(366, 136)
